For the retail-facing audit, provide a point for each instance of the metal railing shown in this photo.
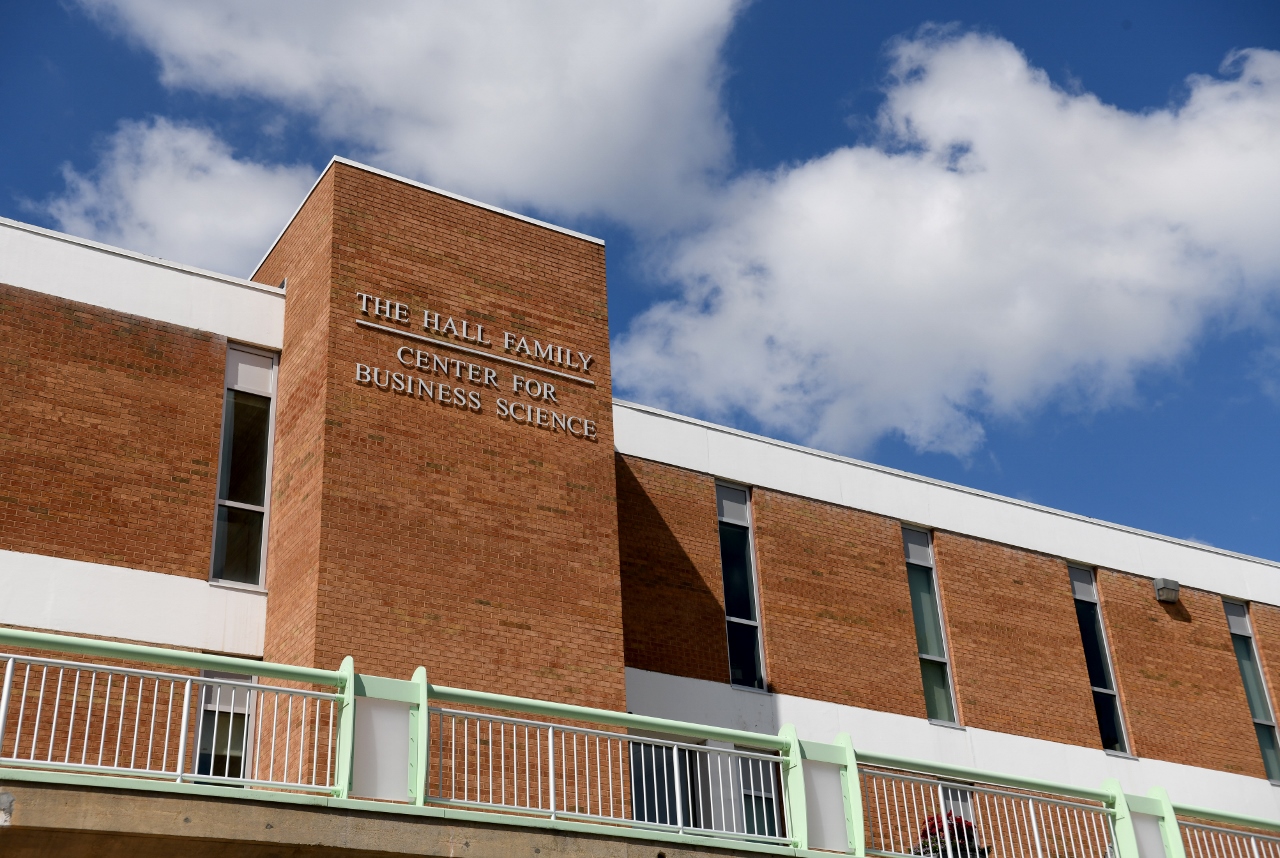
(650, 776)
(57, 714)
(556, 770)
(909, 813)
(1212, 841)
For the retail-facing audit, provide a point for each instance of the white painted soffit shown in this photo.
(76, 269)
(730, 454)
(720, 704)
(338, 159)
(79, 598)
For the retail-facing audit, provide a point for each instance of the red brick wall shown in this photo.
(304, 254)
(672, 592)
(1016, 654)
(108, 435)
(1266, 637)
(1178, 678)
(838, 625)
(484, 549)
(836, 606)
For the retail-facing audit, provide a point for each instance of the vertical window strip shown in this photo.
(1255, 688)
(244, 467)
(1097, 656)
(926, 609)
(741, 603)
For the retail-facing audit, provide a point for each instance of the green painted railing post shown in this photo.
(851, 788)
(797, 813)
(346, 729)
(1126, 838)
(419, 739)
(1170, 833)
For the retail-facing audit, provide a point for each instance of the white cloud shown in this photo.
(1004, 242)
(575, 108)
(177, 191)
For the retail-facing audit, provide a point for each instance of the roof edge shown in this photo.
(1199, 546)
(338, 159)
(140, 257)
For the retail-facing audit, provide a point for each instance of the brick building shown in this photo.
(398, 442)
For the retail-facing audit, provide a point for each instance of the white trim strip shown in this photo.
(870, 466)
(140, 257)
(477, 352)
(53, 264)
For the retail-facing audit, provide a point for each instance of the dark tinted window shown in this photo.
(1095, 656)
(242, 473)
(744, 656)
(237, 551)
(735, 563)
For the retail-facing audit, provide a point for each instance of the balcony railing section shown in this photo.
(68, 715)
(556, 770)
(1212, 841)
(908, 814)
(264, 728)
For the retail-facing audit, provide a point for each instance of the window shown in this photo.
(244, 468)
(741, 615)
(759, 797)
(1264, 722)
(1106, 703)
(930, 641)
(224, 737)
(705, 787)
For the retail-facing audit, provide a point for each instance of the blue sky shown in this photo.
(1016, 246)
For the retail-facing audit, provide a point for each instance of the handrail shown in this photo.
(867, 758)
(160, 655)
(1227, 817)
(342, 679)
(549, 709)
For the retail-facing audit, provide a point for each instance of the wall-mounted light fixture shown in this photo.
(1166, 590)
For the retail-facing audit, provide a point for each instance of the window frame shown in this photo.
(945, 658)
(1109, 661)
(1262, 677)
(218, 502)
(758, 623)
(210, 702)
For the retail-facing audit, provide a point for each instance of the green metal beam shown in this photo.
(964, 773)
(1227, 817)
(548, 709)
(796, 806)
(851, 791)
(172, 657)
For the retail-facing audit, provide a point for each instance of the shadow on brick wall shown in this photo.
(673, 619)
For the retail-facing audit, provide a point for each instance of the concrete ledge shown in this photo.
(74, 820)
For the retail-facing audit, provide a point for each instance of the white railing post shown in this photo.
(675, 756)
(1035, 827)
(942, 818)
(419, 739)
(4, 701)
(551, 767)
(182, 732)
